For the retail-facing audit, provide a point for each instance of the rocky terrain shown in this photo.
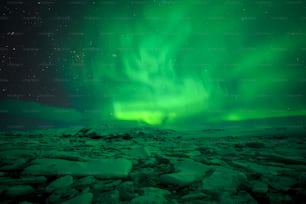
(146, 165)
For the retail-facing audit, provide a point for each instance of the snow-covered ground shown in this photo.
(143, 165)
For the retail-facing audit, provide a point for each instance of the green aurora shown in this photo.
(163, 62)
(169, 61)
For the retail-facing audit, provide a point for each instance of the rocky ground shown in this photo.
(145, 165)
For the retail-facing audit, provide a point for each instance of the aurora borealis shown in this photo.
(166, 62)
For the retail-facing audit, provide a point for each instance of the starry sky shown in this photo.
(153, 62)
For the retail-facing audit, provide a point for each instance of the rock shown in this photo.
(25, 202)
(140, 152)
(279, 198)
(194, 154)
(83, 132)
(2, 189)
(201, 201)
(154, 190)
(88, 180)
(283, 158)
(252, 168)
(152, 195)
(19, 190)
(149, 198)
(54, 197)
(255, 145)
(69, 193)
(14, 164)
(145, 177)
(86, 190)
(162, 159)
(150, 162)
(84, 198)
(62, 194)
(102, 168)
(223, 179)
(188, 171)
(60, 183)
(282, 183)
(300, 194)
(20, 154)
(110, 197)
(70, 156)
(106, 185)
(216, 162)
(23, 180)
(192, 166)
(240, 198)
(94, 135)
(259, 187)
(207, 150)
(194, 196)
(179, 179)
(126, 191)
(33, 179)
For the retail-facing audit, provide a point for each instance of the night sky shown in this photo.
(152, 62)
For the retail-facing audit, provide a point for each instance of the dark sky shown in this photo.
(32, 43)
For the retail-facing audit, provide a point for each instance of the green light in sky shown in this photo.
(178, 60)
